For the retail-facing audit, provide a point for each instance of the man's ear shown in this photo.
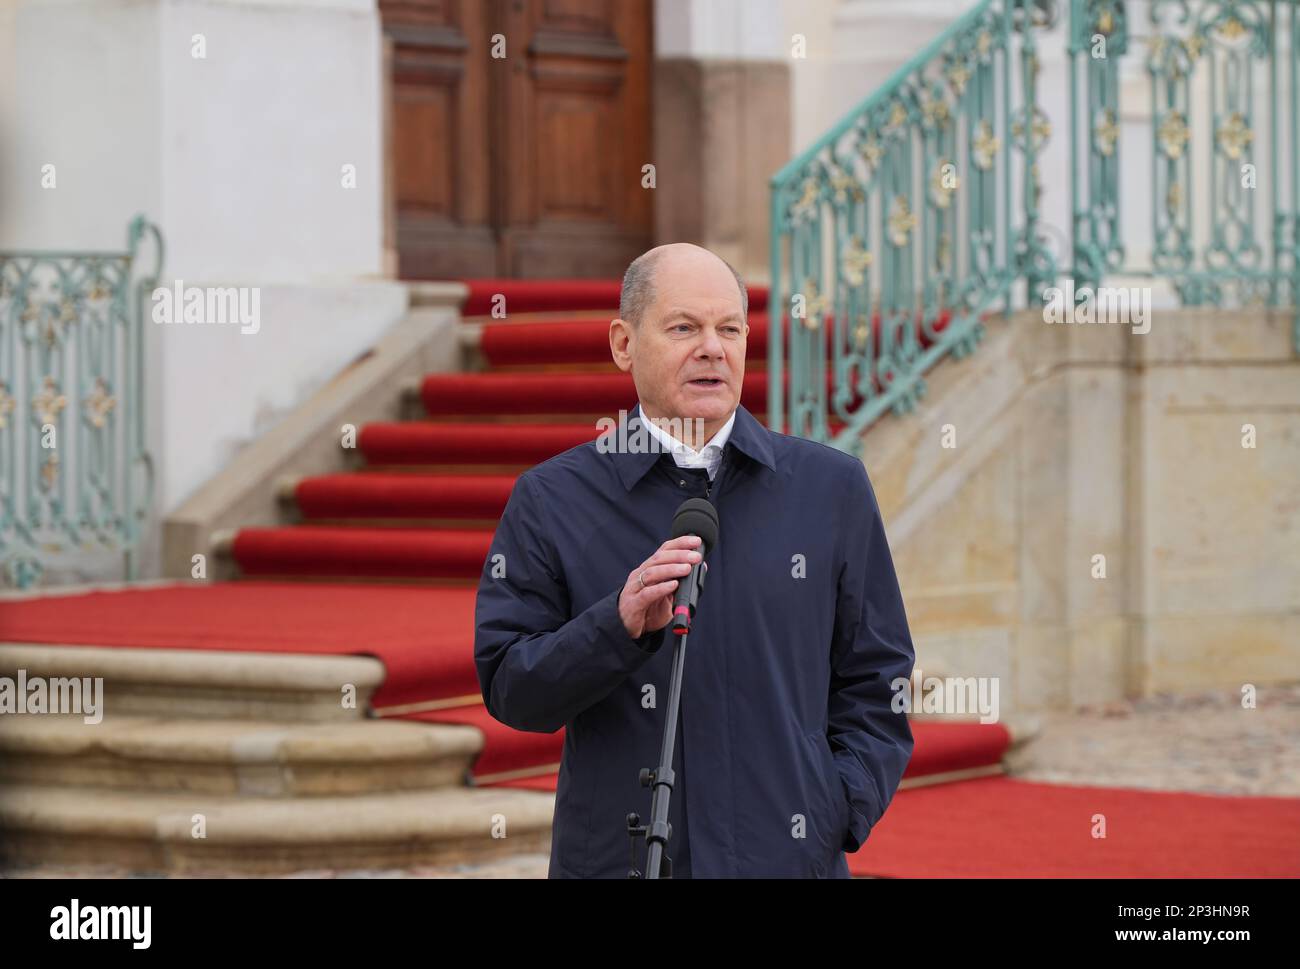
(620, 339)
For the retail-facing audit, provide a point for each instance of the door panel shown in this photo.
(440, 138)
(528, 165)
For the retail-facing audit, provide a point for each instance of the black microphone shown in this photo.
(695, 516)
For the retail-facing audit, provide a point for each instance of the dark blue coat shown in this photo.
(788, 750)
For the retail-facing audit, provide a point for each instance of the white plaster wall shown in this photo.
(238, 158)
(81, 93)
(255, 136)
(750, 30)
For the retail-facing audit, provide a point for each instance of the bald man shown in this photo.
(788, 749)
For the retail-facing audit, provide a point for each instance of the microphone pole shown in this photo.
(697, 517)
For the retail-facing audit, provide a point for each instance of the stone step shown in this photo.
(188, 833)
(248, 758)
(208, 684)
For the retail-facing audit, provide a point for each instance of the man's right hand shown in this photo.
(647, 609)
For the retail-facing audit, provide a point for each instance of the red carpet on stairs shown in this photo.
(420, 443)
(545, 295)
(346, 551)
(375, 494)
(384, 561)
(587, 341)
(605, 394)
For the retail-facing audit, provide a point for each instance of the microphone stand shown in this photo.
(657, 833)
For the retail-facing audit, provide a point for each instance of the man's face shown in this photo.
(687, 358)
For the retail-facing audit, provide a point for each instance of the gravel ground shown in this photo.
(1203, 742)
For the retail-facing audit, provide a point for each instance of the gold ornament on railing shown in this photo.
(1174, 198)
(854, 261)
(958, 74)
(1231, 28)
(1234, 136)
(934, 109)
(985, 146)
(1106, 133)
(844, 184)
(814, 305)
(872, 151)
(1040, 129)
(99, 403)
(50, 472)
(49, 402)
(1173, 134)
(901, 222)
(809, 197)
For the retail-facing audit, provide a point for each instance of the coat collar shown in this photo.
(747, 436)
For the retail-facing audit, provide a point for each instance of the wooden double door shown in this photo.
(517, 135)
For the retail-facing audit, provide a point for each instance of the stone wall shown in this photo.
(1080, 440)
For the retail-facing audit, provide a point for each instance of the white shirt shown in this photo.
(686, 456)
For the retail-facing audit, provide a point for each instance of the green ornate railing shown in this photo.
(918, 217)
(75, 473)
(1223, 190)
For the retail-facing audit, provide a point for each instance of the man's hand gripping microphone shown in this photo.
(695, 516)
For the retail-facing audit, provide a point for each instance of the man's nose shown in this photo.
(711, 344)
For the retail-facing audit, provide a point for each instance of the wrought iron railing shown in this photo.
(918, 217)
(1223, 190)
(75, 473)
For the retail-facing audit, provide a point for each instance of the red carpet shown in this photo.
(459, 394)
(396, 553)
(998, 827)
(423, 635)
(374, 494)
(508, 344)
(420, 443)
(544, 295)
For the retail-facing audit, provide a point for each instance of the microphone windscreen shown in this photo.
(696, 516)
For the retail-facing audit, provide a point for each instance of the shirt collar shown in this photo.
(672, 444)
(708, 457)
(746, 435)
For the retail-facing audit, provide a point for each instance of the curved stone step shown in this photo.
(201, 683)
(247, 758)
(147, 832)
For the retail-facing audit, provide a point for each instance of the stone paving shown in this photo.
(1202, 742)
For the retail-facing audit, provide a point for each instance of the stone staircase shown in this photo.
(250, 763)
